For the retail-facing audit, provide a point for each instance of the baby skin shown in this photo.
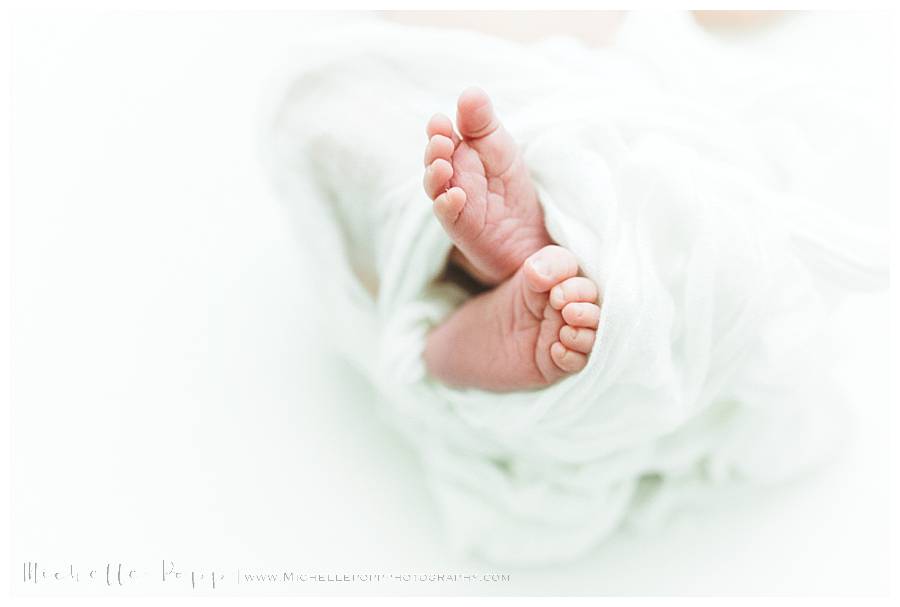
(538, 323)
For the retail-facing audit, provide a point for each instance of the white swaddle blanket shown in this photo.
(710, 368)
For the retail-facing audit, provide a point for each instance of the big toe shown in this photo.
(481, 129)
(475, 115)
(549, 266)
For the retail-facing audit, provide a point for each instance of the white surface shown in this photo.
(170, 400)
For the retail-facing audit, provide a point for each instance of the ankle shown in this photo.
(462, 262)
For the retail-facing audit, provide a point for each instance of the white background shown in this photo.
(173, 394)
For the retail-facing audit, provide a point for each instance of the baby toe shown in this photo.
(439, 124)
(437, 175)
(448, 205)
(574, 289)
(582, 314)
(578, 339)
(567, 360)
(439, 146)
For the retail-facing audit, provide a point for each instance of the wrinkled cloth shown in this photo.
(709, 373)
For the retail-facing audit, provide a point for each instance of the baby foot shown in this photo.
(482, 192)
(529, 332)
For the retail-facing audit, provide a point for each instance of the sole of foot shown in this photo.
(481, 190)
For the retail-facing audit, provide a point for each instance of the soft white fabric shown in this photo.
(710, 369)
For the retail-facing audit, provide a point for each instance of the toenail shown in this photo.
(541, 267)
